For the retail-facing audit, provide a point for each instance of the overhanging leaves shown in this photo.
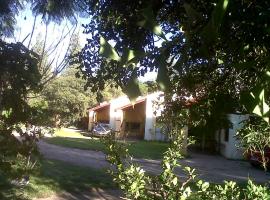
(193, 15)
(132, 89)
(163, 79)
(149, 22)
(261, 109)
(107, 51)
(255, 103)
(210, 32)
(131, 57)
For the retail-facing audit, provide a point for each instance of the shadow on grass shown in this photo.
(56, 177)
(80, 143)
(138, 149)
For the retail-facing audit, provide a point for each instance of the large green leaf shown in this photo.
(255, 103)
(211, 30)
(149, 22)
(218, 13)
(131, 57)
(261, 109)
(163, 79)
(107, 51)
(193, 15)
(128, 55)
(132, 89)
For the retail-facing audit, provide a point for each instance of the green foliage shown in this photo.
(230, 190)
(132, 179)
(256, 192)
(19, 75)
(211, 30)
(149, 22)
(9, 9)
(257, 103)
(254, 136)
(107, 50)
(64, 98)
(55, 177)
(199, 61)
(168, 183)
(196, 60)
(163, 79)
(136, 184)
(132, 89)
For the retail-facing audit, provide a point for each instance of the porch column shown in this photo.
(91, 120)
(149, 132)
(184, 133)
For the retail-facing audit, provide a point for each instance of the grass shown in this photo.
(56, 176)
(138, 149)
(148, 149)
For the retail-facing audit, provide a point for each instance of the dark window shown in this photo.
(226, 135)
(135, 126)
(132, 126)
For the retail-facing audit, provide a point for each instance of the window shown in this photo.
(226, 135)
(132, 126)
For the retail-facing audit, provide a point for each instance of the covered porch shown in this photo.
(133, 123)
(99, 114)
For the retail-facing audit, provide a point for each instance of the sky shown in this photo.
(24, 26)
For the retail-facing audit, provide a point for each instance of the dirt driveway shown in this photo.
(210, 168)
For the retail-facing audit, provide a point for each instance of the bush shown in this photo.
(136, 184)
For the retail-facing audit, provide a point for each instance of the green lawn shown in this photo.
(56, 176)
(138, 149)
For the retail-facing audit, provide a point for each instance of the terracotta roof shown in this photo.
(99, 107)
(132, 105)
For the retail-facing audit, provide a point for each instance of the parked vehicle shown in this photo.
(255, 157)
(101, 129)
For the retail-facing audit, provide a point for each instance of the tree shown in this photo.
(50, 11)
(216, 54)
(210, 51)
(65, 98)
(194, 60)
(18, 75)
(66, 101)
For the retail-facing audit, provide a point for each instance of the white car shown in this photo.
(101, 129)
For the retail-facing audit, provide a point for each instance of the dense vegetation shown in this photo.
(212, 58)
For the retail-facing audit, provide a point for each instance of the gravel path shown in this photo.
(208, 167)
(95, 159)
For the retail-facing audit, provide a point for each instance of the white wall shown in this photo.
(152, 132)
(149, 119)
(116, 114)
(90, 120)
(229, 149)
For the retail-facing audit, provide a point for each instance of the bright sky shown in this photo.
(24, 26)
(55, 32)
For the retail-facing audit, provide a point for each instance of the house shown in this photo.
(138, 120)
(228, 144)
(135, 120)
(100, 113)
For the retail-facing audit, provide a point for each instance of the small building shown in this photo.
(135, 120)
(228, 143)
(138, 120)
(100, 113)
